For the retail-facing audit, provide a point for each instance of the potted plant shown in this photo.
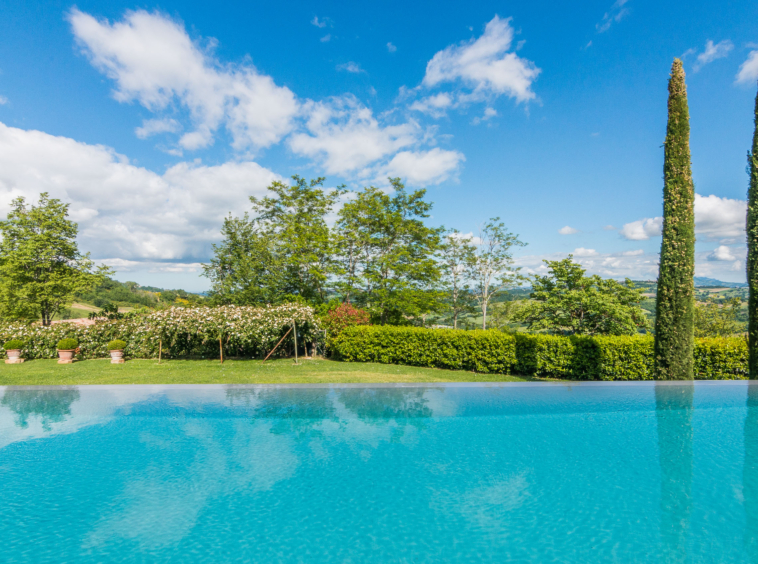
(116, 348)
(66, 350)
(13, 349)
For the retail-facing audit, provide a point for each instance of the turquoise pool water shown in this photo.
(442, 473)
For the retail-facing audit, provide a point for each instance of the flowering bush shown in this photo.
(343, 317)
(243, 331)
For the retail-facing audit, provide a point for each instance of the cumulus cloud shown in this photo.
(154, 61)
(489, 113)
(127, 212)
(421, 168)
(486, 65)
(749, 69)
(642, 229)
(391, 48)
(350, 66)
(344, 136)
(326, 38)
(713, 52)
(435, 106)
(722, 253)
(617, 13)
(3, 100)
(320, 23)
(715, 218)
(567, 230)
(582, 252)
(154, 126)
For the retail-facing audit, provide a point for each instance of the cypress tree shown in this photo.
(752, 250)
(675, 303)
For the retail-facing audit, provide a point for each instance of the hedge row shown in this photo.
(577, 358)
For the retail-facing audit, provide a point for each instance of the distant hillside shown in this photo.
(702, 281)
(131, 294)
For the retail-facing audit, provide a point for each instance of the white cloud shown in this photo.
(713, 52)
(350, 66)
(435, 105)
(345, 136)
(391, 48)
(749, 69)
(567, 230)
(722, 253)
(609, 228)
(489, 113)
(582, 252)
(326, 38)
(155, 62)
(617, 13)
(642, 229)
(154, 126)
(715, 218)
(634, 253)
(485, 65)
(3, 100)
(421, 168)
(125, 211)
(322, 23)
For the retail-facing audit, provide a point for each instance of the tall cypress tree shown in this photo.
(675, 303)
(752, 250)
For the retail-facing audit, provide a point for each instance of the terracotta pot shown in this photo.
(117, 357)
(66, 357)
(14, 356)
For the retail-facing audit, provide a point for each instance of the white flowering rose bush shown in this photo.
(243, 331)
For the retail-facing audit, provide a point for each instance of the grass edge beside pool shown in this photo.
(282, 371)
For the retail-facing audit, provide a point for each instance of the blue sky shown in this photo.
(156, 120)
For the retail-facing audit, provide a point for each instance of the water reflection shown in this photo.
(750, 474)
(674, 409)
(50, 406)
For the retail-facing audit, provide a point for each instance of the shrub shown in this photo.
(547, 356)
(67, 344)
(544, 355)
(246, 331)
(344, 316)
(13, 344)
(482, 351)
(116, 345)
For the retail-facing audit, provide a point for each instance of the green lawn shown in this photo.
(49, 372)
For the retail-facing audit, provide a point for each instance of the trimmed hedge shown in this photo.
(546, 356)
(481, 351)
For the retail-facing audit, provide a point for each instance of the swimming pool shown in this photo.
(399, 473)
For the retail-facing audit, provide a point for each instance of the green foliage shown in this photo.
(603, 357)
(547, 356)
(565, 301)
(481, 351)
(491, 269)
(286, 250)
(752, 248)
(340, 318)
(13, 344)
(721, 359)
(717, 320)
(457, 256)
(41, 268)
(178, 332)
(116, 345)
(674, 325)
(387, 254)
(67, 344)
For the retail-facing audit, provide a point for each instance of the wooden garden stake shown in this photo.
(295, 328)
(221, 350)
(160, 350)
(277, 344)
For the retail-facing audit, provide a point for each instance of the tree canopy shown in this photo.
(41, 268)
(565, 301)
